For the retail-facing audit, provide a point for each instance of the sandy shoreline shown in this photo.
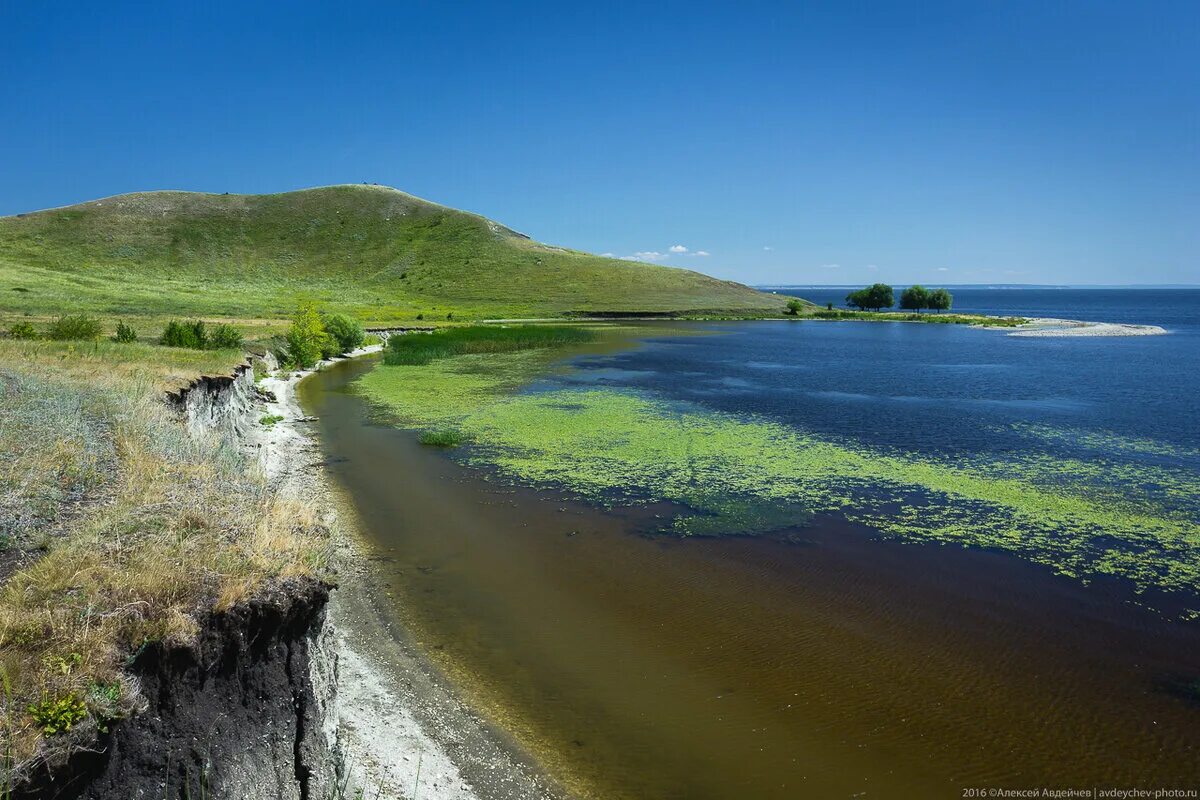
(401, 727)
(1051, 327)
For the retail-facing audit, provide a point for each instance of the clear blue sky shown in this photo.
(947, 142)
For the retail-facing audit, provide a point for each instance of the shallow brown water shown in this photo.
(747, 668)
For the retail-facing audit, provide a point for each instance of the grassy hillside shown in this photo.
(380, 253)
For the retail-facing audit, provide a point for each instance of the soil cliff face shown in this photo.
(247, 709)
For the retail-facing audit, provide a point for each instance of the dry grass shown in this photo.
(183, 525)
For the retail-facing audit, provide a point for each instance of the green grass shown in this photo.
(379, 254)
(422, 348)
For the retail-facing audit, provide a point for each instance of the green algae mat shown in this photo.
(1103, 515)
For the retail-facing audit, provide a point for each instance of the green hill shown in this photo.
(377, 252)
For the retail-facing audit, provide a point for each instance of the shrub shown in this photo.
(224, 337)
(347, 333)
(125, 334)
(307, 340)
(74, 326)
(23, 330)
(269, 420)
(185, 334)
(794, 306)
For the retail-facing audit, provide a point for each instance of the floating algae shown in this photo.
(745, 474)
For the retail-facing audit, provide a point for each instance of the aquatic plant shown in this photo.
(422, 348)
(441, 437)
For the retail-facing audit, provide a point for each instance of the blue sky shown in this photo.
(842, 142)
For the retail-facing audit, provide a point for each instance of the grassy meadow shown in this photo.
(380, 254)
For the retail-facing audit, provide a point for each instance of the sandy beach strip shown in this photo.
(1051, 327)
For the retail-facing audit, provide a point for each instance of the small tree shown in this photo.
(125, 334)
(914, 298)
(794, 306)
(307, 339)
(940, 300)
(877, 297)
(347, 333)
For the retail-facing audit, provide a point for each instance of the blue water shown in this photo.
(944, 388)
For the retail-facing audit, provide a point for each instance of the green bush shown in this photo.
(74, 326)
(192, 334)
(224, 337)
(23, 330)
(125, 333)
(794, 306)
(196, 334)
(346, 332)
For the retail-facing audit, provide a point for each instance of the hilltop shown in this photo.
(378, 252)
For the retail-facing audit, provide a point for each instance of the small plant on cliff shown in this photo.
(125, 334)
(269, 420)
(307, 339)
(23, 330)
(58, 714)
(74, 327)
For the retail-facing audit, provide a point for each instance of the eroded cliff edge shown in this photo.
(244, 709)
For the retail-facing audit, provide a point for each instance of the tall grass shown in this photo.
(422, 348)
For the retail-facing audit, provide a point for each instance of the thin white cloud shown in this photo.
(768, 248)
(646, 255)
(831, 266)
(943, 269)
(702, 253)
(872, 267)
(677, 248)
(608, 255)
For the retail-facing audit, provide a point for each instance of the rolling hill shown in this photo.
(379, 253)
